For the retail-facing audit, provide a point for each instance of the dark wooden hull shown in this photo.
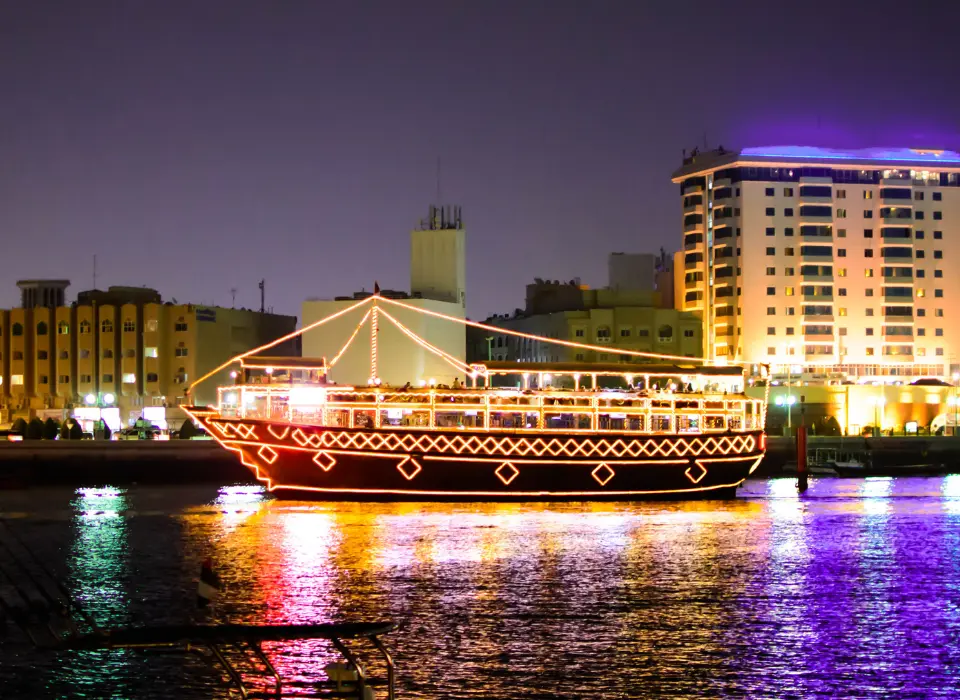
(303, 461)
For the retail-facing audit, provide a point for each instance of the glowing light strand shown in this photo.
(350, 340)
(374, 330)
(451, 360)
(274, 343)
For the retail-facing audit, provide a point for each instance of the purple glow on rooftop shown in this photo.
(908, 155)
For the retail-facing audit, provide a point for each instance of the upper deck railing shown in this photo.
(495, 410)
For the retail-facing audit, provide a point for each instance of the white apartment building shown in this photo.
(836, 262)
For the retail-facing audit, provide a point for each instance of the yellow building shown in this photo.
(120, 351)
(631, 319)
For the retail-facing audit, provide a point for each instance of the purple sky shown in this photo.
(198, 146)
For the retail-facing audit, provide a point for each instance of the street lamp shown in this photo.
(788, 402)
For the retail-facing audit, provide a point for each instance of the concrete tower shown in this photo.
(438, 257)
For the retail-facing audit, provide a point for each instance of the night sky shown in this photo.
(199, 146)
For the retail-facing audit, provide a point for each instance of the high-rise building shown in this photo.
(826, 262)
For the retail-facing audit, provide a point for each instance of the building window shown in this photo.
(921, 312)
(603, 333)
(63, 328)
(918, 215)
(867, 213)
(771, 351)
(788, 271)
(937, 196)
(770, 211)
(129, 378)
(129, 352)
(841, 233)
(869, 312)
(108, 378)
(938, 255)
(771, 311)
(920, 254)
(918, 235)
(841, 213)
(771, 330)
(937, 215)
(788, 251)
(842, 331)
(868, 272)
(64, 355)
(790, 331)
(152, 377)
(688, 333)
(788, 212)
(841, 272)
(768, 191)
(790, 311)
(16, 379)
(841, 252)
(41, 328)
(41, 354)
(86, 379)
(938, 332)
(939, 352)
(180, 326)
(106, 326)
(108, 353)
(869, 351)
(921, 331)
(788, 291)
(788, 232)
(771, 251)
(771, 271)
(868, 233)
(44, 379)
(643, 332)
(787, 191)
(842, 292)
(771, 231)
(842, 311)
(868, 253)
(129, 326)
(665, 333)
(869, 292)
(578, 333)
(841, 194)
(921, 352)
(149, 352)
(938, 273)
(18, 354)
(771, 291)
(84, 327)
(937, 235)
(938, 292)
(624, 333)
(918, 196)
(84, 354)
(579, 357)
(63, 379)
(869, 331)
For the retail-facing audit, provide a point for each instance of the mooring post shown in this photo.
(801, 458)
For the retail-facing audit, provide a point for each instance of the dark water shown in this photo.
(853, 591)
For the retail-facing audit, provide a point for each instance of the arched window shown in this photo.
(106, 326)
(41, 328)
(84, 327)
(152, 377)
(17, 329)
(129, 325)
(665, 332)
(63, 328)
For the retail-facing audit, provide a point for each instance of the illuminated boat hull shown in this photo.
(300, 461)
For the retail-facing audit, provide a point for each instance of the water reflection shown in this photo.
(851, 588)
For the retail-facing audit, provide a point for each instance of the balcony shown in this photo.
(692, 264)
(897, 299)
(895, 202)
(817, 298)
(816, 278)
(721, 182)
(693, 226)
(815, 199)
(693, 208)
(691, 188)
(816, 318)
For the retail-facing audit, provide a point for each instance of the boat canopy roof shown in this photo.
(620, 369)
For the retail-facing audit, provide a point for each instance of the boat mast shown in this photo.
(374, 331)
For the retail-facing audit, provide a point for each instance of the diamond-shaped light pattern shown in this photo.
(409, 467)
(602, 473)
(267, 454)
(324, 460)
(506, 472)
(696, 472)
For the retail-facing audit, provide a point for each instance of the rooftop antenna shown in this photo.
(262, 283)
(233, 297)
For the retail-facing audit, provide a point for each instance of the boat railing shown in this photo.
(493, 410)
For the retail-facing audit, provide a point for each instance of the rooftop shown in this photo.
(697, 161)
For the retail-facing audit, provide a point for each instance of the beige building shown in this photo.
(833, 264)
(122, 349)
(631, 319)
(437, 284)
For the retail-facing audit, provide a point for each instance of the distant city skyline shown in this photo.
(196, 148)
